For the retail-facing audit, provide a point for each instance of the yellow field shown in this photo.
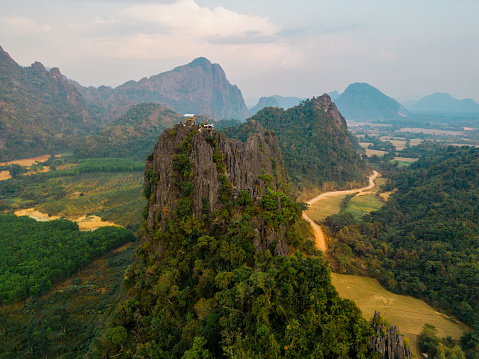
(370, 152)
(325, 207)
(4, 175)
(27, 162)
(86, 223)
(407, 313)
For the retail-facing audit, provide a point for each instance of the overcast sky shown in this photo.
(407, 49)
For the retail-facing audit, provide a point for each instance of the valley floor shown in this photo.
(318, 233)
(407, 313)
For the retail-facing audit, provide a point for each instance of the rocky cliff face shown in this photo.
(199, 87)
(214, 171)
(391, 344)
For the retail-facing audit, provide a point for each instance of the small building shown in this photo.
(190, 117)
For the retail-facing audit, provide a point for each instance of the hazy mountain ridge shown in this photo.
(276, 101)
(199, 87)
(444, 103)
(361, 101)
(39, 109)
(265, 102)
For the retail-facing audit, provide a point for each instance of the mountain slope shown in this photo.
(133, 135)
(210, 279)
(445, 103)
(199, 87)
(39, 109)
(361, 101)
(315, 143)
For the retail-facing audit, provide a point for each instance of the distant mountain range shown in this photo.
(443, 103)
(361, 102)
(199, 87)
(42, 111)
(276, 101)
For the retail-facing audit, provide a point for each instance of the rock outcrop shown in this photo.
(199, 87)
(391, 344)
(214, 164)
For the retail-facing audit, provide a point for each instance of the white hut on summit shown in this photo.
(190, 117)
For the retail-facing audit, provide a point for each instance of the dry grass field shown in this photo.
(27, 162)
(4, 175)
(407, 313)
(370, 152)
(325, 207)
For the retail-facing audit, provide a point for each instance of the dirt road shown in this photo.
(318, 232)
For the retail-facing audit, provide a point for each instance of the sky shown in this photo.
(406, 48)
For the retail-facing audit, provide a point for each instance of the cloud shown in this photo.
(22, 26)
(183, 29)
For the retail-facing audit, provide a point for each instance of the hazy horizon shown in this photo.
(406, 49)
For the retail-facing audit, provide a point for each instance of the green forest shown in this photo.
(36, 255)
(200, 289)
(65, 322)
(314, 148)
(424, 242)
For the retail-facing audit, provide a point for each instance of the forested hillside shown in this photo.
(425, 241)
(39, 110)
(205, 283)
(133, 135)
(315, 143)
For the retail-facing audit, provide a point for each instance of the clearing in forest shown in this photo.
(407, 313)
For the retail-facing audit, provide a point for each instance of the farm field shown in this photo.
(4, 175)
(431, 131)
(85, 222)
(359, 205)
(115, 197)
(407, 313)
(370, 152)
(325, 207)
(27, 162)
(403, 161)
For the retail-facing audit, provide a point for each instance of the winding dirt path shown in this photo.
(318, 232)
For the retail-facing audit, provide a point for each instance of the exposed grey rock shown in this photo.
(243, 162)
(391, 345)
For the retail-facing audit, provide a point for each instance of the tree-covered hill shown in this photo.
(206, 284)
(425, 241)
(315, 143)
(133, 135)
(39, 110)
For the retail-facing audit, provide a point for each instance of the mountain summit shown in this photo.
(445, 103)
(361, 101)
(199, 87)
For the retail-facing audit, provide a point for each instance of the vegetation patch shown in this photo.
(35, 255)
(407, 313)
